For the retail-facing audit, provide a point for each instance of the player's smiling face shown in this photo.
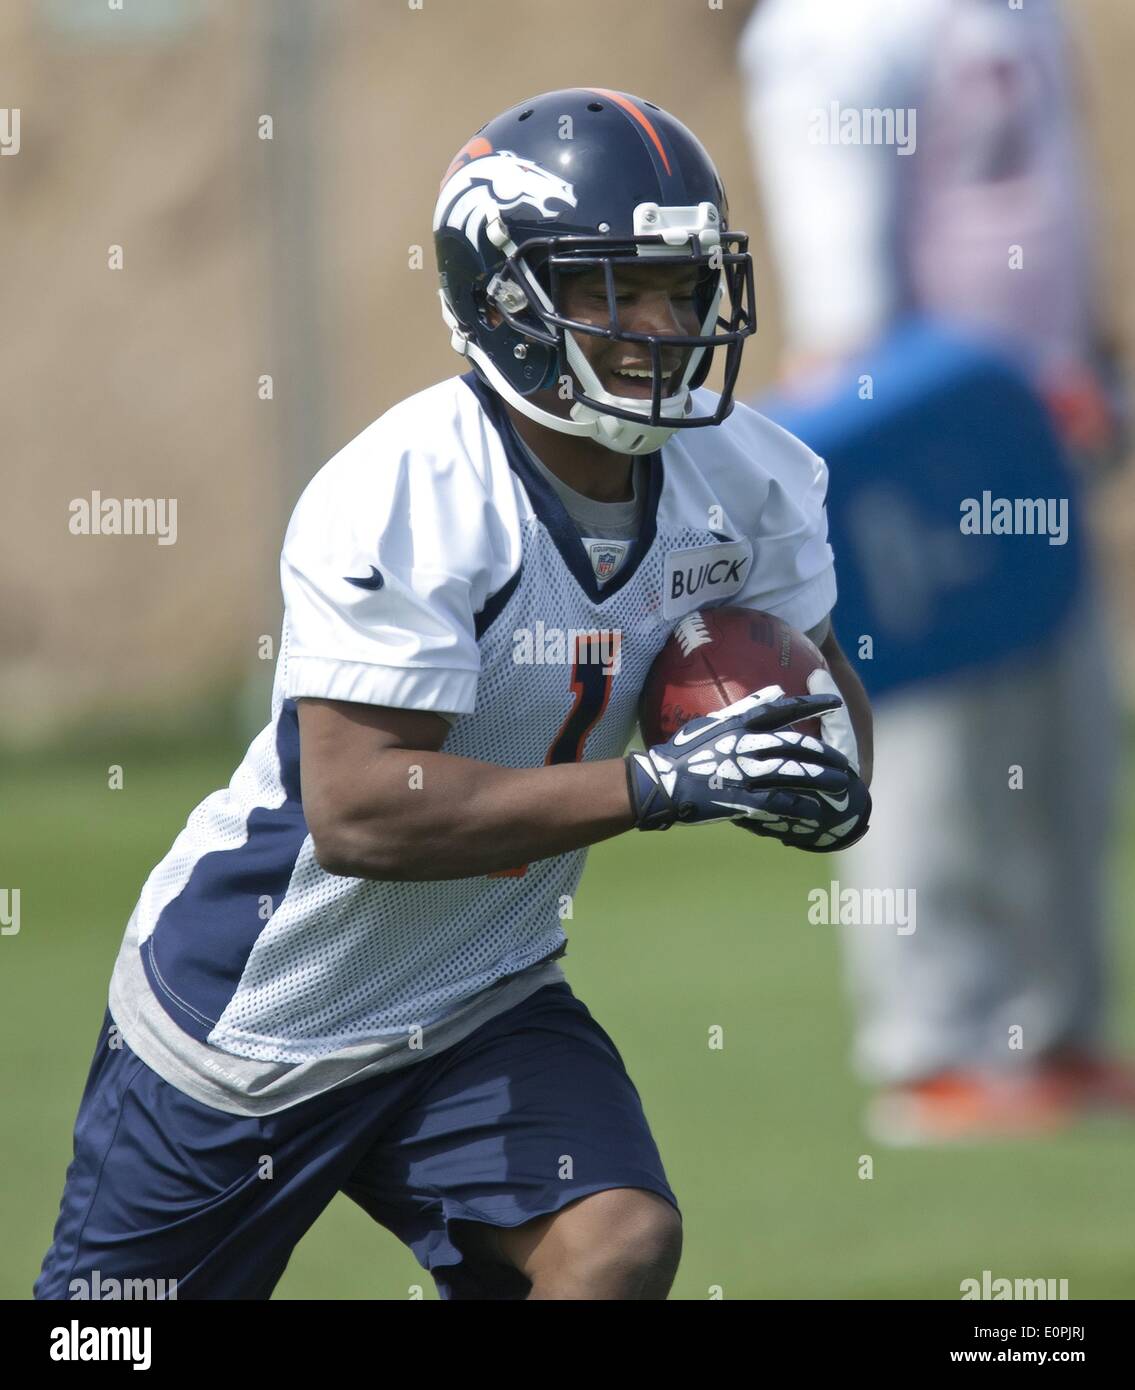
(648, 299)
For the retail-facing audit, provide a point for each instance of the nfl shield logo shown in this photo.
(606, 556)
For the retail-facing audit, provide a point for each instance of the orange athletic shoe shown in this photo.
(1091, 1081)
(959, 1107)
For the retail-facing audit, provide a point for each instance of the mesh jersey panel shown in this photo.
(342, 960)
(401, 954)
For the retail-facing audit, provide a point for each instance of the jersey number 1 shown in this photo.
(595, 657)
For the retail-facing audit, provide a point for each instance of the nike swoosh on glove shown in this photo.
(734, 765)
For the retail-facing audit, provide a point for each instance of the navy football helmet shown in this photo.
(580, 180)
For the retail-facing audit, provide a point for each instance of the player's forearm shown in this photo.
(435, 816)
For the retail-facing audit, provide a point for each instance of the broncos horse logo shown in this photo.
(495, 183)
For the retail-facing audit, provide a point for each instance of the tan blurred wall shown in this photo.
(143, 382)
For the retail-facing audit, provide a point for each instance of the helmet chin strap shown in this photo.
(622, 436)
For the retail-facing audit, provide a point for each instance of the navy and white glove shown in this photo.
(735, 765)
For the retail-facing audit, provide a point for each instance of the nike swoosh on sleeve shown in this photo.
(372, 581)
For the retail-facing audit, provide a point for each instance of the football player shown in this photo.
(347, 962)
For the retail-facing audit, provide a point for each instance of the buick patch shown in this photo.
(704, 574)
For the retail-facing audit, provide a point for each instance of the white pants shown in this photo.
(1010, 884)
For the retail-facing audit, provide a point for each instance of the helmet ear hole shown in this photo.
(525, 365)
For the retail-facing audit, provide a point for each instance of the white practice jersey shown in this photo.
(430, 566)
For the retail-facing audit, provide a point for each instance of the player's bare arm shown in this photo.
(383, 802)
(372, 815)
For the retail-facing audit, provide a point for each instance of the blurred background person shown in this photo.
(924, 159)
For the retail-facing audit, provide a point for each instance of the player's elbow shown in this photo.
(349, 851)
(331, 857)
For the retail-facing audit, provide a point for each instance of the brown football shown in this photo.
(718, 655)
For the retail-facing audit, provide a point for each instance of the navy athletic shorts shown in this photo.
(532, 1110)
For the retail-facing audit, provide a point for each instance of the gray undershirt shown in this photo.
(615, 521)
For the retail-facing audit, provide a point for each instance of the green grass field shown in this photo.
(672, 934)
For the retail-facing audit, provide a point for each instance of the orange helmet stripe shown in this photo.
(472, 149)
(633, 110)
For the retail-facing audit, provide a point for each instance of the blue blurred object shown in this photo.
(927, 419)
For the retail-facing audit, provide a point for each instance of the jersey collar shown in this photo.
(552, 512)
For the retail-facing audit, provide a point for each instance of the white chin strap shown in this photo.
(624, 436)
